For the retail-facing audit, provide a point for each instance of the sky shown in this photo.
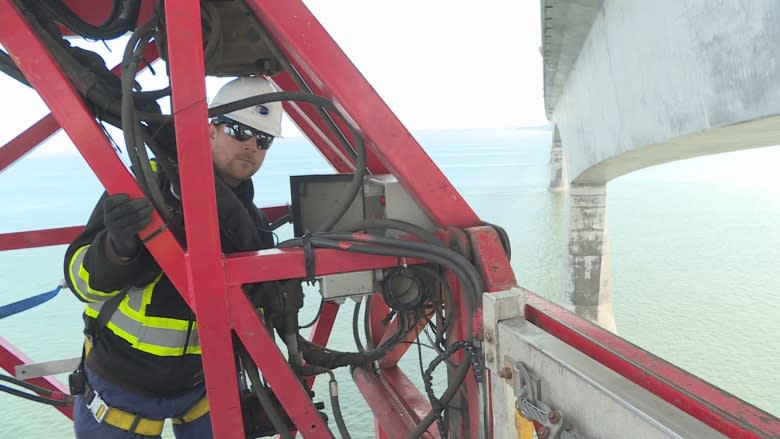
(437, 64)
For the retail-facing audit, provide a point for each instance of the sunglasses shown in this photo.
(242, 132)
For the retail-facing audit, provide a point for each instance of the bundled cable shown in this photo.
(50, 397)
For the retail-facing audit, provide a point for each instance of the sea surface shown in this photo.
(695, 249)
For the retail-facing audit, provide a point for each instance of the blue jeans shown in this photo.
(87, 427)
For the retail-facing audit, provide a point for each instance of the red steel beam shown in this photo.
(10, 357)
(396, 417)
(204, 266)
(38, 132)
(28, 140)
(38, 238)
(314, 53)
(289, 263)
(312, 116)
(56, 90)
(717, 408)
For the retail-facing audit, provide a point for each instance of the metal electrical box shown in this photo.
(315, 199)
(384, 198)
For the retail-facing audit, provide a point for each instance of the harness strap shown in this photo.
(119, 418)
(200, 408)
(131, 422)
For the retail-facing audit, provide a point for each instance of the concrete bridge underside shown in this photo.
(630, 84)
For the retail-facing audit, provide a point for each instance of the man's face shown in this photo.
(235, 160)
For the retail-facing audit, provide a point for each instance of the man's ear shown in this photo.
(212, 133)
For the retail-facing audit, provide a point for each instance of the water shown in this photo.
(694, 250)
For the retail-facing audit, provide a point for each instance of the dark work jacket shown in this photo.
(114, 358)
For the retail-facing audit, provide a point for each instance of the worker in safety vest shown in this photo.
(142, 361)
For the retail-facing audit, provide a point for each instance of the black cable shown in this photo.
(461, 264)
(316, 316)
(135, 134)
(331, 359)
(137, 42)
(65, 401)
(9, 67)
(393, 224)
(122, 18)
(282, 220)
(336, 406)
(355, 332)
(441, 328)
(503, 237)
(367, 321)
(462, 370)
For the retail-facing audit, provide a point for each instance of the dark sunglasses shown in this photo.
(242, 132)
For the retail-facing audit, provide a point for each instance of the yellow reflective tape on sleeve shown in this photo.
(79, 278)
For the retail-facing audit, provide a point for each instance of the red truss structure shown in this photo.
(210, 282)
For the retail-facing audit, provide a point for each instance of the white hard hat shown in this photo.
(264, 117)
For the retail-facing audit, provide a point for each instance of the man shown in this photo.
(142, 356)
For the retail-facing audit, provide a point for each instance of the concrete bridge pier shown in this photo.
(589, 286)
(559, 182)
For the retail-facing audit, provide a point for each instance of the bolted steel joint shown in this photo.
(554, 416)
(543, 433)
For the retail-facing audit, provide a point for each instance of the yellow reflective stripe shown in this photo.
(79, 278)
(156, 335)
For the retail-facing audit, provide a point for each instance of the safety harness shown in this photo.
(103, 413)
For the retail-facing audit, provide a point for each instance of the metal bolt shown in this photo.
(505, 373)
(554, 416)
(489, 336)
(489, 357)
(543, 433)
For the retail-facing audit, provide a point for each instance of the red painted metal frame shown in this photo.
(207, 281)
(397, 410)
(10, 357)
(38, 238)
(720, 410)
(25, 142)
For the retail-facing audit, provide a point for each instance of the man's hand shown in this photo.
(124, 218)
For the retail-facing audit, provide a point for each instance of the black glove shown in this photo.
(124, 218)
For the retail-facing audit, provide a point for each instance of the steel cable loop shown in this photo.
(531, 411)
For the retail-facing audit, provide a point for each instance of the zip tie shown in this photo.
(154, 234)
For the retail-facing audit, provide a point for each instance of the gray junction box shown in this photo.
(315, 199)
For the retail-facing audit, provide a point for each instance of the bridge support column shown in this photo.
(558, 179)
(590, 275)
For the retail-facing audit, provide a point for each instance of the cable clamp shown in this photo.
(154, 234)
